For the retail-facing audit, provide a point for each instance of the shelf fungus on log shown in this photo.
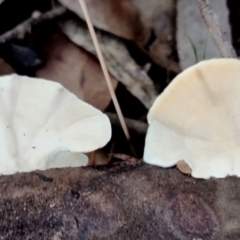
(196, 120)
(121, 201)
(44, 126)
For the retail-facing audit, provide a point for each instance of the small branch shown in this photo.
(133, 125)
(224, 46)
(26, 27)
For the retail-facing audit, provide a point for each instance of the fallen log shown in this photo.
(122, 201)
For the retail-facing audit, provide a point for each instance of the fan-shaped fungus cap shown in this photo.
(197, 120)
(43, 126)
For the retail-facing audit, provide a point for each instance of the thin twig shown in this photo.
(104, 68)
(20, 30)
(224, 46)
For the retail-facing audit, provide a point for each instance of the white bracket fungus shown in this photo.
(43, 125)
(197, 120)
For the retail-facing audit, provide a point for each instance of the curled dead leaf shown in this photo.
(118, 60)
(188, 20)
(150, 24)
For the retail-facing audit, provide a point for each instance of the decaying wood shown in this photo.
(25, 27)
(122, 201)
(119, 62)
(224, 46)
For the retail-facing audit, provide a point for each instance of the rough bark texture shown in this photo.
(123, 201)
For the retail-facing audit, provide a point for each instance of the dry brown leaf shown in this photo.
(150, 24)
(189, 21)
(5, 68)
(119, 62)
(75, 69)
(184, 168)
(105, 14)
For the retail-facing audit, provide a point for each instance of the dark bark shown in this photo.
(122, 201)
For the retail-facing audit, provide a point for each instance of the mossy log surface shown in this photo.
(121, 201)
